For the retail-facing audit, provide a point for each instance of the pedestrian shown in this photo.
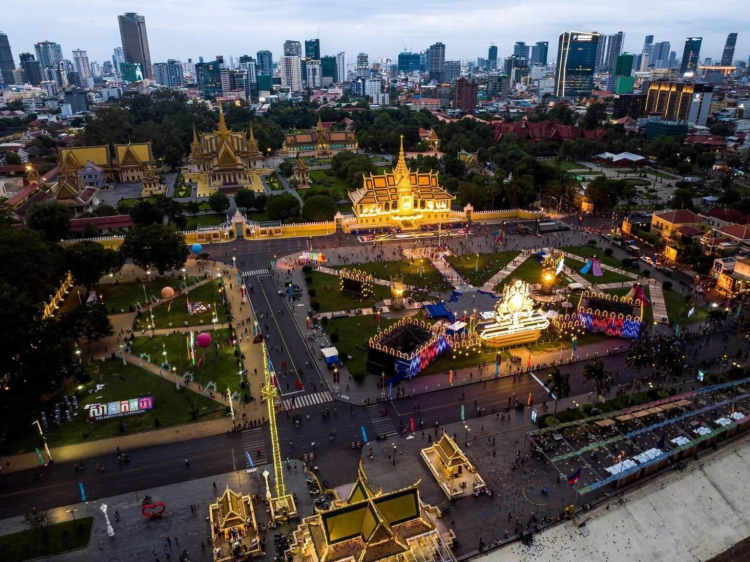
(187, 463)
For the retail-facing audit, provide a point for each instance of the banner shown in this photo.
(121, 408)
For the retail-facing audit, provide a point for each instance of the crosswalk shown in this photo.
(383, 424)
(246, 274)
(252, 442)
(307, 400)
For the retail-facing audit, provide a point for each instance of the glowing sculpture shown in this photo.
(515, 320)
(604, 313)
(593, 265)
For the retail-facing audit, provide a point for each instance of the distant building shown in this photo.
(77, 100)
(691, 54)
(314, 74)
(208, 77)
(341, 67)
(312, 49)
(437, 62)
(727, 57)
(576, 58)
(628, 105)
(328, 68)
(135, 42)
(655, 128)
(491, 58)
(290, 68)
(539, 53)
(444, 95)
(409, 62)
(320, 142)
(91, 175)
(679, 101)
(169, 73)
(521, 50)
(623, 79)
(292, 48)
(32, 68)
(48, 53)
(265, 62)
(498, 86)
(466, 95)
(7, 66)
(83, 68)
(452, 70)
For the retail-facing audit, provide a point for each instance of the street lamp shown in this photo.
(78, 353)
(382, 384)
(184, 276)
(394, 453)
(110, 530)
(466, 427)
(46, 447)
(234, 263)
(73, 513)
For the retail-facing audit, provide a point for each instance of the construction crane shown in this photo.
(282, 506)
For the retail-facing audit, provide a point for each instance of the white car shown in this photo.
(647, 260)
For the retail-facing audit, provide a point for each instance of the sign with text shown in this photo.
(121, 408)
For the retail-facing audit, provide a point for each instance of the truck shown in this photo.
(549, 226)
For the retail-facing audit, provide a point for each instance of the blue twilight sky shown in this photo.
(183, 29)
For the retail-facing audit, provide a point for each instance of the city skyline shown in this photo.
(187, 33)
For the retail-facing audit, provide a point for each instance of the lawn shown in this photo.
(274, 184)
(607, 277)
(480, 269)
(119, 297)
(591, 251)
(219, 366)
(319, 179)
(204, 220)
(352, 332)
(171, 407)
(127, 203)
(345, 207)
(662, 175)
(174, 313)
(331, 298)
(418, 273)
(258, 216)
(648, 311)
(530, 271)
(676, 303)
(445, 362)
(565, 165)
(61, 537)
(202, 205)
(311, 161)
(638, 182)
(183, 190)
(549, 345)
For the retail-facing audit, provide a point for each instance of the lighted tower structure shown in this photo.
(282, 505)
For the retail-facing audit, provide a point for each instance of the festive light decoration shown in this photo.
(515, 320)
(356, 282)
(167, 293)
(203, 340)
(398, 289)
(603, 313)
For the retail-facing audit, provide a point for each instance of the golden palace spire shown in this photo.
(223, 131)
(401, 170)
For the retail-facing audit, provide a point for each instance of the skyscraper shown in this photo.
(7, 66)
(623, 81)
(492, 58)
(576, 58)
(466, 95)
(601, 52)
(265, 62)
(32, 68)
(135, 42)
(690, 54)
(328, 68)
(83, 68)
(452, 70)
(727, 57)
(408, 62)
(363, 65)
(314, 74)
(292, 48)
(648, 45)
(118, 57)
(660, 55)
(169, 73)
(341, 67)
(539, 53)
(521, 50)
(290, 68)
(48, 53)
(437, 62)
(312, 49)
(614, 49)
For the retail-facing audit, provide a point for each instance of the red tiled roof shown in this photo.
(542, 130)
(706, 140)
(19, 197)
(727, 215)
(39, 197)
(688, 230)
(116, 221)
(679, 217)
(739, 231)
(13, 168)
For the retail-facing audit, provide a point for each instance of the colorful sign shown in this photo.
(313, 256)
(121, 408)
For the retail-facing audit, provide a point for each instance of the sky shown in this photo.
(182, 29)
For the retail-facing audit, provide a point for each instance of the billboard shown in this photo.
(120, 408)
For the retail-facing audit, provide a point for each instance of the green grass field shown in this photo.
(171, 407)
(219, 366)
(331, 298)
(183, 190)
(416, 273)
(676, 303)
(638, 182)
(607, 276)
(321, 180)
(480, 269)
(122, 295)
(565, 165)
(355, 331)
(530, 271)
(61, 537)
(175, 314)
(204, 220)
(589, 252)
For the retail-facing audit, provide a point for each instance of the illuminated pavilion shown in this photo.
(516, 321)
(401, 198)
(370, 526)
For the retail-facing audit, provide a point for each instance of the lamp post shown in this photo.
(164, 352)
(382, 385)
(395, 450)
(110, 530)
(184, 274)
(466, 427)
(73, 513)
(46, 447)
(78, 353)
(231, 405)
(268, 488)
(476, 264)
(234, 263)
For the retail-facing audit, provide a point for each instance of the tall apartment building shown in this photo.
(452, 70)
(363, 65)
(118, 57)
(48, 53)
(7, 66)
(290, 68)
(576, 59)
(521, 50)
(312, 49)
(341, 67)
(727, 57)
(623, 79)
(437, 62)
(492, 58)
(31, 68)
(83, 68)
(135, 42)
(408, 62)
(265, 62)
(539, 53)
(249, 64)
(314, 74)
(660, 55)
(690, 54)
(292, 48)
(169, 73)
(466, 95)
(328, 68)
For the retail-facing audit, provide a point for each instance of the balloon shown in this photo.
(167, 293)
(203, 339)
(197, 248)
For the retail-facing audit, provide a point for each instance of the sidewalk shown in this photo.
(490, 285)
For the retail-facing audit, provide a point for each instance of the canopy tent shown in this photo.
(330, 354)
(438, 310)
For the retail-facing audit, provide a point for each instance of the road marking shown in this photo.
(542, 385)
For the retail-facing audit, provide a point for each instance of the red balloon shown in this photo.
(203, 340)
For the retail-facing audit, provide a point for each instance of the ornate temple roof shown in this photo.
(448, 452)
(99, 155)
(133, 154)
(321, 135)
(211, 143)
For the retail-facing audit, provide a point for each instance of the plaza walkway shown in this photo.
(490, 285)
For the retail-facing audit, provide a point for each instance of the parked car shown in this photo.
(647, 259)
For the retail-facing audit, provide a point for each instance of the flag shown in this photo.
(574, 478)
(662, 441)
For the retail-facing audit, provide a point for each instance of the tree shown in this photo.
(39, 522)
(218, 202)
(104, 210)
(90, 321)
(558, 384)
(51, 219)
(282, 206)
(89, 262)
(319, 208)
(595, 371)
(90, 230)
(638, 357)
(192, 207)
(682, 199)
(155, 246)
(11, 158)
(520, 193)
(286, 168)
(145, 213)
(244, 198)
(260, 202)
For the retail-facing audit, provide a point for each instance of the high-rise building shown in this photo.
(227, 79)
(727, 57)
(118, 57)
(7, 66)
(690, 54)
(96, 69)
(328, 68)
(539, 53)
(249, 64)
(290, 68)
(131, 72)
(48, 53)
(314, 74)
(437, 62)
(135, 42)
(576, 58)
(32, 68)
(492, 58)
(614, 49)
(363, 65)
(452, 70)
(648, 45)
(679, 101)
(601, 52)
(169, 73)
(498, 85)
(83, 68)
(341, 67)
(408, 62)
(623, 79)
(265, 62)
(77, 100)
(660, 55)
(208, 77)
(521, 50)
(312, 49)
(466, 95)
(292, 48)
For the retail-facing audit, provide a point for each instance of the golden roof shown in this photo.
(99, 155)
(301, 166)
(232, 510)
(450, 454)
(195, 146)
(133, 154)
(252, 144)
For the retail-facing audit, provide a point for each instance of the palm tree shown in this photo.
(640, 355)
(558, 383)
(596, 372)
